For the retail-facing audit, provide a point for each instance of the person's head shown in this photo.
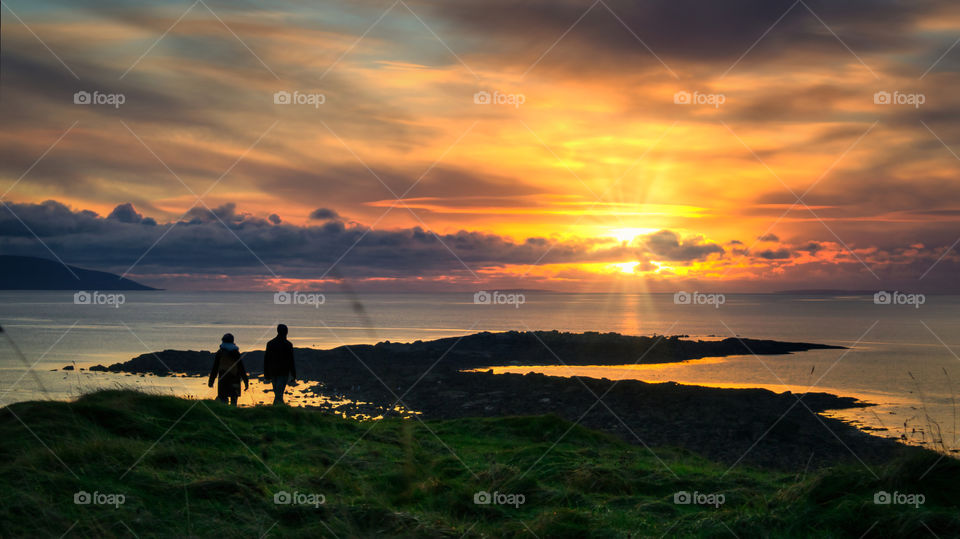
(227, 337)
(282, 330)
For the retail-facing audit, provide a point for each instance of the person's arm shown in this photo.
(293, 365)
(243, 373)
(214, 369)
(268, 361)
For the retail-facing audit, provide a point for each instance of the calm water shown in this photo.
(899, 362)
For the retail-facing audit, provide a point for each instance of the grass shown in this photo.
(199, 468)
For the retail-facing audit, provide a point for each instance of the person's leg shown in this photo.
(234, 399)
(279, 386)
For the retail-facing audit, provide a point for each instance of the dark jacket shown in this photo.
(278, 359)
(229, 371)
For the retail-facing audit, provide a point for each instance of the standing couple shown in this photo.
(228, 369)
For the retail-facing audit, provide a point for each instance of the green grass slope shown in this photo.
(198, 468)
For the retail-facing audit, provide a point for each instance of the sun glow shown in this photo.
(626, 267)
(628, 234)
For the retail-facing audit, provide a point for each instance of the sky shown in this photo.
(583, 146)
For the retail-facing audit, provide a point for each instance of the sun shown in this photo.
(627, 234)
(626, 267)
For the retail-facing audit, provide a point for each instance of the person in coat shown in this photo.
(278, 364)
(228, 371)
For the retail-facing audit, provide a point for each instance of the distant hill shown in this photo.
(31, 273)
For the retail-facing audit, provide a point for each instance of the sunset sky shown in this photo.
(588, 171)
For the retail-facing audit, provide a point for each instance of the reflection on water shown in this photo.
(68, 385)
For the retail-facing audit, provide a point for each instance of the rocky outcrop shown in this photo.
(480, 350)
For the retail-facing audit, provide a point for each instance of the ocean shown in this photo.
(904, 357)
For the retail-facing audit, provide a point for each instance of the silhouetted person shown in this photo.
(278, 363)
(228, 370)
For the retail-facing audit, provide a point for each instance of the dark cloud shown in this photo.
(683, 31)
(126, 213)
(246, 246)
(770, 236)
(226, 213)
(774, 254)
(324, 214)
(223, 240)
(667, 245)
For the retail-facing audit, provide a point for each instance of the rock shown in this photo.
(68, 368)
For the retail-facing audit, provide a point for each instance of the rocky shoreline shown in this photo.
(752, 426)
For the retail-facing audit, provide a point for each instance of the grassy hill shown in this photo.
(31, 273)
(198, 468)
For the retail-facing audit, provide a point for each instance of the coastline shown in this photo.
(566, 444)
(434, 379)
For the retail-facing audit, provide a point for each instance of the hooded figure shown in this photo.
(229, 371)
